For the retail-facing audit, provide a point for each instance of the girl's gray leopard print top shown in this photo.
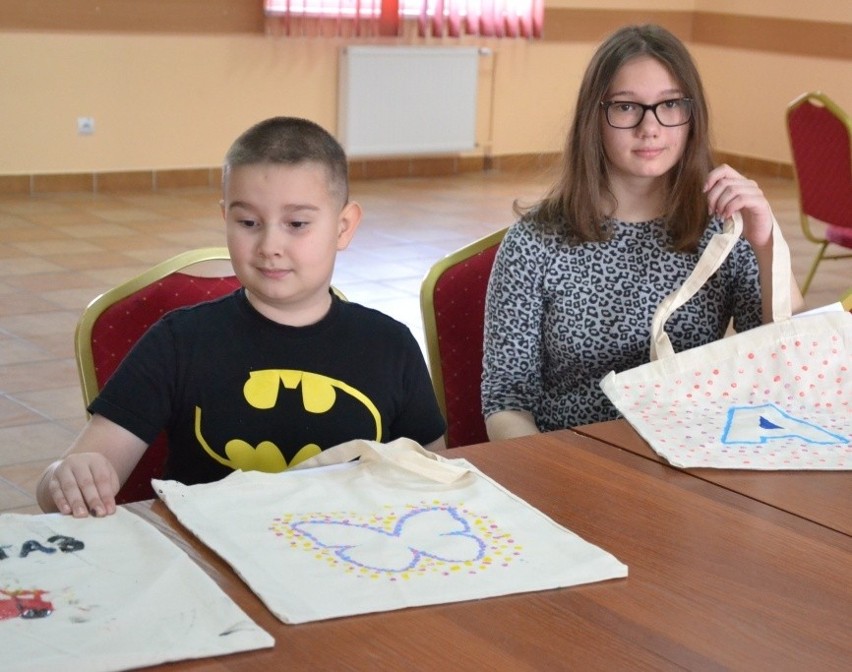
(559, 317)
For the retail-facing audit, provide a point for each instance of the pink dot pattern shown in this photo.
(682, 413)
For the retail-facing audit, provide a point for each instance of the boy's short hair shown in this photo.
(291, 141)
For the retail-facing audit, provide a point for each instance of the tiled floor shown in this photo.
(57, 252)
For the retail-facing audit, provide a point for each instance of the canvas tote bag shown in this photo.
(106, 594)
(399, 527)
(774, 397)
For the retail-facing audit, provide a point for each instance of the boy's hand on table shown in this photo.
(84, 484)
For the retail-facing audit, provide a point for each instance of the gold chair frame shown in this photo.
(85, 326)
(846, 300)
(427, 305)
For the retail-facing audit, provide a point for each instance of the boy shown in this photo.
(273, 373)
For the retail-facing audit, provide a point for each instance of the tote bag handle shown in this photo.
(714, 254)
(404, 453)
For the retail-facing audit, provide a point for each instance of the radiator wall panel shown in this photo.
(407, 100)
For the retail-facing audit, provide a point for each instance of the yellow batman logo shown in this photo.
(319, 394)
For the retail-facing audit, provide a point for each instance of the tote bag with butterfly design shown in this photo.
(399, 527)
(774, 397)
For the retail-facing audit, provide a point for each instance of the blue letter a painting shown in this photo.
(759, 424)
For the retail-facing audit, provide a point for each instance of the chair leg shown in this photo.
(813, 269)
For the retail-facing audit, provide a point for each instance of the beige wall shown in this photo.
(163, 101)
(159, 101)
(749, 92)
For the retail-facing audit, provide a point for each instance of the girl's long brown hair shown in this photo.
(579, 202)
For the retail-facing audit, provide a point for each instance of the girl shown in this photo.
(578, 277)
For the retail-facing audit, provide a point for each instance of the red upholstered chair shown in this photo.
(114, 321)
(821, 141)
(452, 301)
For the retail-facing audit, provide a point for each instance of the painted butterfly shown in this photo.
(441, 533)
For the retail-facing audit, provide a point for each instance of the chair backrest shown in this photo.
(820, 135)
(112, 323)
(452, 301)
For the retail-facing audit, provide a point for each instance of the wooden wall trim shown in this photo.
(787, 36)
(134, 16)
(822, 39)
(593, 25)
(364, 169)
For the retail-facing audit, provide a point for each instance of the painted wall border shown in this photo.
(802, 37)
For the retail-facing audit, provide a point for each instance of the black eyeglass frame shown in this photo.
(606, 104)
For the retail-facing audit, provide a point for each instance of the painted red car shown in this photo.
(24, 604)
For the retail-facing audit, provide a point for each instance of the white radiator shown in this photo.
(407, 100)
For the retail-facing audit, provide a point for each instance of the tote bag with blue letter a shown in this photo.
(774, 397)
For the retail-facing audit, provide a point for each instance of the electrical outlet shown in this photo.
(85, 125)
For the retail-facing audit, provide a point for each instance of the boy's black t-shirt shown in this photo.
(235, 390)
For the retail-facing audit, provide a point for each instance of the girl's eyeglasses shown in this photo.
(628, 114)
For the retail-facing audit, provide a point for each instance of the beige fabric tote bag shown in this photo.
(106, 594)
(399, 527)
(774, 397)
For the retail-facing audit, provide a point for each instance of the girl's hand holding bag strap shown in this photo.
(711, 259)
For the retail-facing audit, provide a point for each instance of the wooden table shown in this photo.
(824, 497)
(717, 581)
